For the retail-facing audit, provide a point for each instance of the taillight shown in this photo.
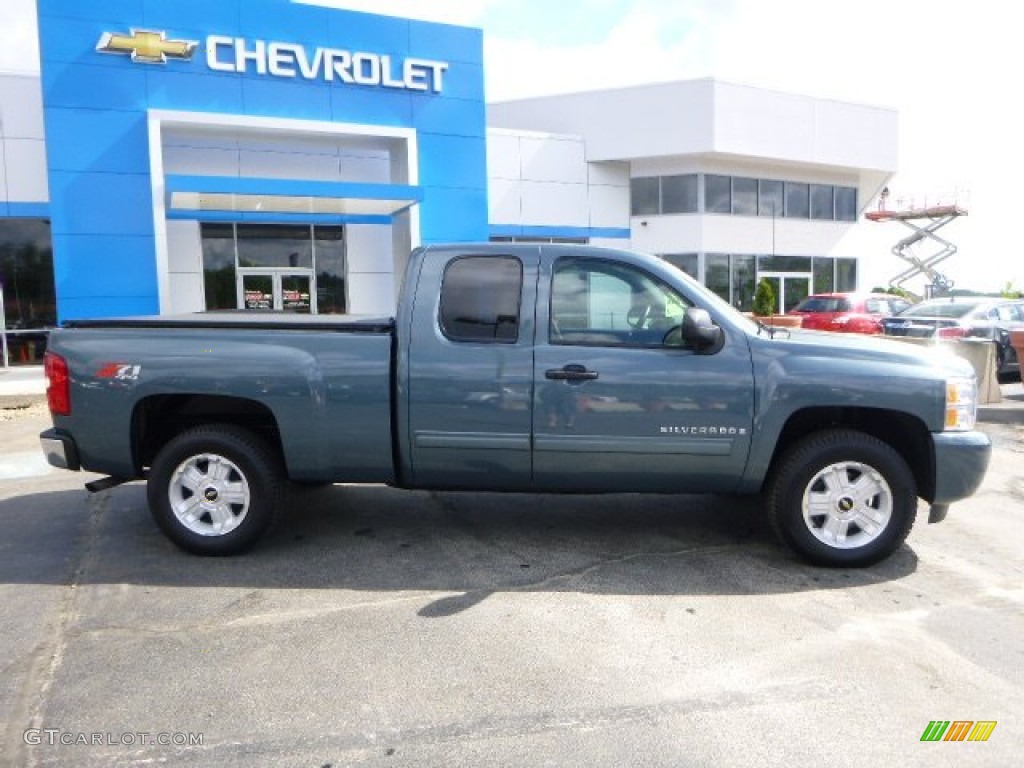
(953, 332)
(58, 390)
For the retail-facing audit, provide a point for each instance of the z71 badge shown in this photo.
(119, 371)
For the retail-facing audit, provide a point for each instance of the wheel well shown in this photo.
(907, 434)
(160, 418)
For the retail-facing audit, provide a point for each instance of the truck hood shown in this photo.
(871, 349)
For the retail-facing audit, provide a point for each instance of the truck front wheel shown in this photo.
(215, 490)
(842, 498)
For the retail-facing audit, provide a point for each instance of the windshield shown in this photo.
(823, 304)
(939, 309)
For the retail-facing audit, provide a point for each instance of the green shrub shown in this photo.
(764, 300)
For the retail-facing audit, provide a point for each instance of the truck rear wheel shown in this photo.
(841, 498)
(215, 490)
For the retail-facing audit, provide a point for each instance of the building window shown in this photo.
(717, 194)
(299, 268)
(797, 202)
(770, 198)
(645, 194)
(846, 204)
(784, 263)
(716, 275)
(480, 299)
(846, 275)
(744, 197)
(26, 279)
(743, 282)
(679, 194)
(687, 262)
(219, 277)
(329, 258)
(274, 245)
(823, 202)
(824, 275)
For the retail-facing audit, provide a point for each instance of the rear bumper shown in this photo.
(60, 450)
(961, 459)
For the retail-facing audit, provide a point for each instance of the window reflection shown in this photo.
(822, 202)
(274, 245)
(741, 196)
(26, 279)
(26, 273)
(313, 255)
(645, 194)
(797, 200)
(679, 194)
(717, 194)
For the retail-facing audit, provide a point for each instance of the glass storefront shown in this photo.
(290, 268)
(26, 280)
(734, 276)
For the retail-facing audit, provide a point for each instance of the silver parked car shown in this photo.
(964, 317)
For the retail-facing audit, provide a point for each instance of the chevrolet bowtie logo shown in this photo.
(147, 46)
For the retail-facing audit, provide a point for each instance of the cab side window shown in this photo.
(480, 297)
(595, 302)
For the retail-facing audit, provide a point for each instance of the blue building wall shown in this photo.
(95, 107)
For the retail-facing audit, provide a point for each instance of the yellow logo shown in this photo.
(147, 46)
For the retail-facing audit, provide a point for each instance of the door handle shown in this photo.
(570, 373)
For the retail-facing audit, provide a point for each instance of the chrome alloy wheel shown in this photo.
(847, 505)
(209, 494)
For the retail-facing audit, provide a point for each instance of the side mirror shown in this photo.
(697, 331)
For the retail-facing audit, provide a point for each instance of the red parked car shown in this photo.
(848, 312)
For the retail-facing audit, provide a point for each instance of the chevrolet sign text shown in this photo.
(232, 54)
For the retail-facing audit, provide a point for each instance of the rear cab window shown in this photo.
(480, 299)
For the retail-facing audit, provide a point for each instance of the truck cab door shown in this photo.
(470, 369)
(618, 406)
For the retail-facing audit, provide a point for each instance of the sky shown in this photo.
(949, 68)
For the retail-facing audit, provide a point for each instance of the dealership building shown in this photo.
(176, 156)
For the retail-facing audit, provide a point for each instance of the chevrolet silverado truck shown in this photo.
(526, 368)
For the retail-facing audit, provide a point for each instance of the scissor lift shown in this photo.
(936, 218)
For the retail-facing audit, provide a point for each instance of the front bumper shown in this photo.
(60, 450)
(961, 459)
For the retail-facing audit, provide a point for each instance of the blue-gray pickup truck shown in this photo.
(539, 368)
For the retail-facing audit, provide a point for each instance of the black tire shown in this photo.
(236, 480)
(861, 524)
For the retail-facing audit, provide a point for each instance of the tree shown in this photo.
(764, 299)
(894, 290)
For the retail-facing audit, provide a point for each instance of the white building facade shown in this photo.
(147, 172)
(731, 183)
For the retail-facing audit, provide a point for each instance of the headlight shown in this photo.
(961, 404)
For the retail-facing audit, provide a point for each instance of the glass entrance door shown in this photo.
(256, 291)
(285, 291)
(296, 293)
(790, 288)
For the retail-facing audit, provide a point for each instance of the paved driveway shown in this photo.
(379, 627)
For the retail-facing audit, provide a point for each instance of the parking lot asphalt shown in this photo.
(388, 628)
